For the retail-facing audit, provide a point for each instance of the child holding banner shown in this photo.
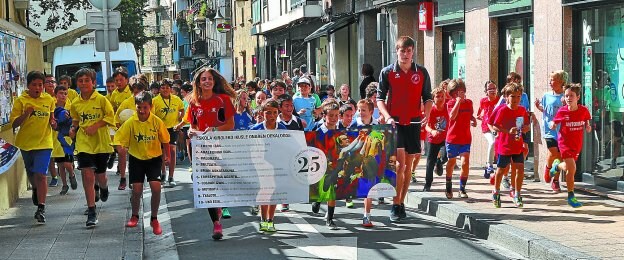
(143, 134)
(286, 117)
(211, 109)
(270, 111)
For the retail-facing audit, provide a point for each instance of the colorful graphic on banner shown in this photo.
(360, 163)
(12, 72)
(244, 168)
(8, 155)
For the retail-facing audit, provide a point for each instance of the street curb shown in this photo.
(525, 243)
(133, 238)
(164, 245)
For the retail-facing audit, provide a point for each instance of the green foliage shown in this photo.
(203, 9)
(61, 15)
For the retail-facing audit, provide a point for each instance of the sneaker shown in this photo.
(217, 232)
(439, 169)
(92, 219)
(492, 179)
(394, 213)
(613, 164)
(40, 216)
(518, 202)
(97, 193)
(366, 222)
(574, 202)
(54, 182)
(506, 183)
(402, 213)
(350, 204)
(133, 222)
(73, 183)
(496, 200)
(172, 183)
(190, 169)
(413, 178)
(488, 172)
(449, 190)
(383, 201)
(111, 160)
(315, 207)
(512, 193)
(156, 227)
(225, 213)
(270, 227)
(622, 178)
(285, 208)
(104, 194)
(331, 225)
(555, 186)
(122, 184)
(547, 177)
(427, 188)
(462, 194)
(64, 190)
(554, 170)
(253, 210)
(163, 177)
(34, 197)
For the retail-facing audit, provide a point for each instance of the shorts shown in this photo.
(454, 150)
(408, 137)
(69, 158)
(504, 160)
(551, 142)
(96, 161)
(37, 161)
(569, 154)
(173, 135)
(139, 170)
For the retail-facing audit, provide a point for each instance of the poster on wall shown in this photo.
(13, 73)
(8, 155)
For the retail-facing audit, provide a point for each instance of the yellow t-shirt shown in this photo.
(57, 150)
(35, 133)
(168, 109)
(88, 112)
(118, 97)
(143, 139)
(71, 94)
(128, 104)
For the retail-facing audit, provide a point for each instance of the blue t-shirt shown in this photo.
(551, 104)
(309, 104)
(524, 101)
(242, 121)
(262, 126)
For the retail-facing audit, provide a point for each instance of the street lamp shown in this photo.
(197, 29)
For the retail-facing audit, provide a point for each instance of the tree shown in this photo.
(61, 15)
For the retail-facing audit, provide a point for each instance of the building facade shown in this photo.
(245, 15)
(156, 56)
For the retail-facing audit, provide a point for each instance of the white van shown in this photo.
(69, 59)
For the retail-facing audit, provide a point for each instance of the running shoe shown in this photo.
(366, 222)
(64, 190)
(518, 202)
(488, 172)
(34, 197)
(217, 232)
(402, 213)
(225, 213)
(270, 227)
(53, 182)
(253, 210)
(350, 204)
(449, 190)
(572, 201)
(315, 207)
(104, 194)
(506, 183)
(555, 168)
(439, 169)
(111, 160)
(414, 178)
(381, 201)
(462, 194)
(163, 178)
(263, 226)
(285, 208)
(133, 222)
(122, 184)
(555, 186)
(72, 182)
(156, 227)
(492, 179)
(496, 199)
(172, 183)
(547, 177)
(427, 188)
(622, 178)
(395, 212)
(92, 219)
(331, 225)
(40, 216)
(512, 193)
(613, 164)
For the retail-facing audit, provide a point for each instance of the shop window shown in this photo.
(454, 54)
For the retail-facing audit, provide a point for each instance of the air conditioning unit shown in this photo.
(21, 4)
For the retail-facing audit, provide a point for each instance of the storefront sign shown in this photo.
(449, 12)
(425, 16)
(224, 27)
(509, 7)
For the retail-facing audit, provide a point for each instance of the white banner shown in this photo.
(8, 155)
(244, 168)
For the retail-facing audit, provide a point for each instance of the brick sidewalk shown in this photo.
(64, 236)
(594, 229)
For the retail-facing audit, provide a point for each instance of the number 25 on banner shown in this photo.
(310, 165)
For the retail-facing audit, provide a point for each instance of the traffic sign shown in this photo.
(110, 4)
(224, 27)
(100, 40)
(95, 20)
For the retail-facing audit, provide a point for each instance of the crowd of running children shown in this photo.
(144, 125)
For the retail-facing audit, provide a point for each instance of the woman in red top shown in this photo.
(211, 109)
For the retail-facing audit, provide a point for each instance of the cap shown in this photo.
(304, 80)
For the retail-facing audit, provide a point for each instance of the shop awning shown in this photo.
(16, 29)
(331, 27)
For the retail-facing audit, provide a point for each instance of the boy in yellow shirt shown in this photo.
(143, 134)
(63, 152)
(117, 97)
(92, 114)
(33, 113)
(66, 81)
(170, 109)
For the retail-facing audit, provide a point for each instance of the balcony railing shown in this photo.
(155, 31)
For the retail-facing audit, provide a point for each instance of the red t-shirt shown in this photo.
(487, 106)
(572, 126)
(506, 118)
(490, 121)
(459, 129)
(438, 120)
(212, 112)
